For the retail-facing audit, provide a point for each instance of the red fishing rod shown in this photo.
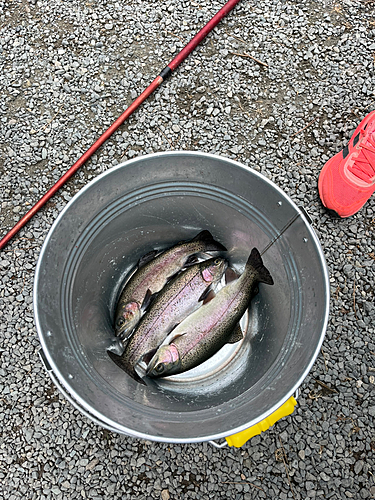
(201, 35)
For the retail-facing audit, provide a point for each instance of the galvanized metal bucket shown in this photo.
(152, 202)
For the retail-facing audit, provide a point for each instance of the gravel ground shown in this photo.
(68, 69)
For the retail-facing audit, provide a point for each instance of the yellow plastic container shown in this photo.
(241, 438)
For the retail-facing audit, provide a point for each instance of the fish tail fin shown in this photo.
(236, 335)
(120, 363)
(263, 274)
(209, 241)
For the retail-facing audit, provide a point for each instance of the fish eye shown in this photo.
(159, 368)
(120, 322)
(217, 262)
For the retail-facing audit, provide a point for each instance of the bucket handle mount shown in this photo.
(239, 439)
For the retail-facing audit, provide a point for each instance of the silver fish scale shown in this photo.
(154, 274)
(214, 336)
(179, 298)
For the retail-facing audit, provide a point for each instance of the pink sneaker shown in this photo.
(347, 180)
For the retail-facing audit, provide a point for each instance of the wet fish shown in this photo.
(181, 296)
(154, 270)
(209, 328)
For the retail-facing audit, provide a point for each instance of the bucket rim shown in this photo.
(86, 408)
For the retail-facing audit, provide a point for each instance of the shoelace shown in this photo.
(364, 164)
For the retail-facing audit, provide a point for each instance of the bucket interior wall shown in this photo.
(151, 203)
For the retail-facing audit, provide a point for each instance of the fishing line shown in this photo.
(287, 226)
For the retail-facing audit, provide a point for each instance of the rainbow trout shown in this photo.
(154, 270)
(180, 296)
(209, 328)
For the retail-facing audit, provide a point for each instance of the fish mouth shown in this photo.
(166, 361)
(116, 347)
(150, 360)
(151, 366)
(126, 319)
(128, 325)
(125, 334)
(140, 369)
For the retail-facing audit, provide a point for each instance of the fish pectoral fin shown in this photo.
(176, 337)
(172, 277)
(147, 258)
(205, 293)
(147, 301)
(191, 260)
(208, 296)
(121, 364)
(231, 275)
(172, 336)
(236, 335)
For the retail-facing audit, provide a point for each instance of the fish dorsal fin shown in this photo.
(231, 275)
(145, 259)
(149, 297)
(255, 261)
(236, 335)
(204, 235)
